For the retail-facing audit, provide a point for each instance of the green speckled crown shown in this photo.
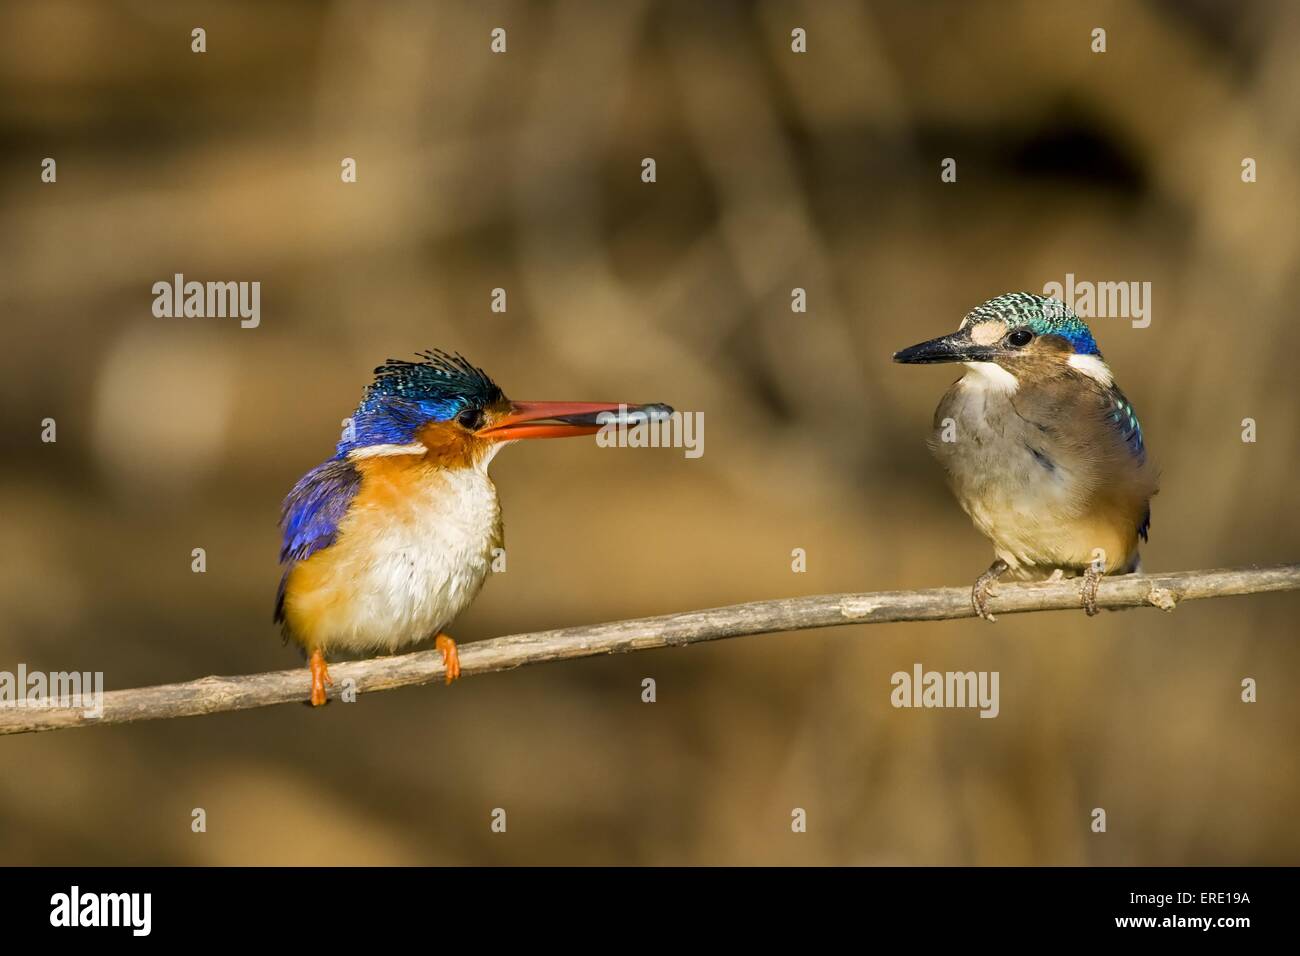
(1043, 316)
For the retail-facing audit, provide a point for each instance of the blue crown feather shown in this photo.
(439, 376)
(1042, 315)
(407, 395)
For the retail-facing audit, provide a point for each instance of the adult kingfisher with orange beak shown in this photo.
(388, 541)
(1041, 447)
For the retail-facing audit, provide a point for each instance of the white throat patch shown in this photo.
(992, 376)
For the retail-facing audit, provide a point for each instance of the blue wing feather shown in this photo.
(309, 519)
(1125, 420)
(1124, 417)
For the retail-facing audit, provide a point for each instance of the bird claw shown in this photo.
(320, 677)
(984, 586)
(1088, 590)
(450, 656)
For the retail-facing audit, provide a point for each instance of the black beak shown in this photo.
(956, 347)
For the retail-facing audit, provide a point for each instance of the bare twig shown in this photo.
(215, 694)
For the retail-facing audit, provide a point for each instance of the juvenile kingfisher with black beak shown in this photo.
(1042, 449)
(388, 541)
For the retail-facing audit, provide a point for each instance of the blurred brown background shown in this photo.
(522, 171)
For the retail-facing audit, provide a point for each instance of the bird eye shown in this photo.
(470, 419)
(1020, 338)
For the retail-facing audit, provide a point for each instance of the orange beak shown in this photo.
(568, 419)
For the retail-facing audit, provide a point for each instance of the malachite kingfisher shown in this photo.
(1041, 447)
(384, 544)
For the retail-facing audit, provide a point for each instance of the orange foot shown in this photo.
(449, 656)
(320, 676)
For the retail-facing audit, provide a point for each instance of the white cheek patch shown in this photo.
(1093, 367)
(986, 333)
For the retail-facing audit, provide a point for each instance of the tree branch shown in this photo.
(215, 694)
